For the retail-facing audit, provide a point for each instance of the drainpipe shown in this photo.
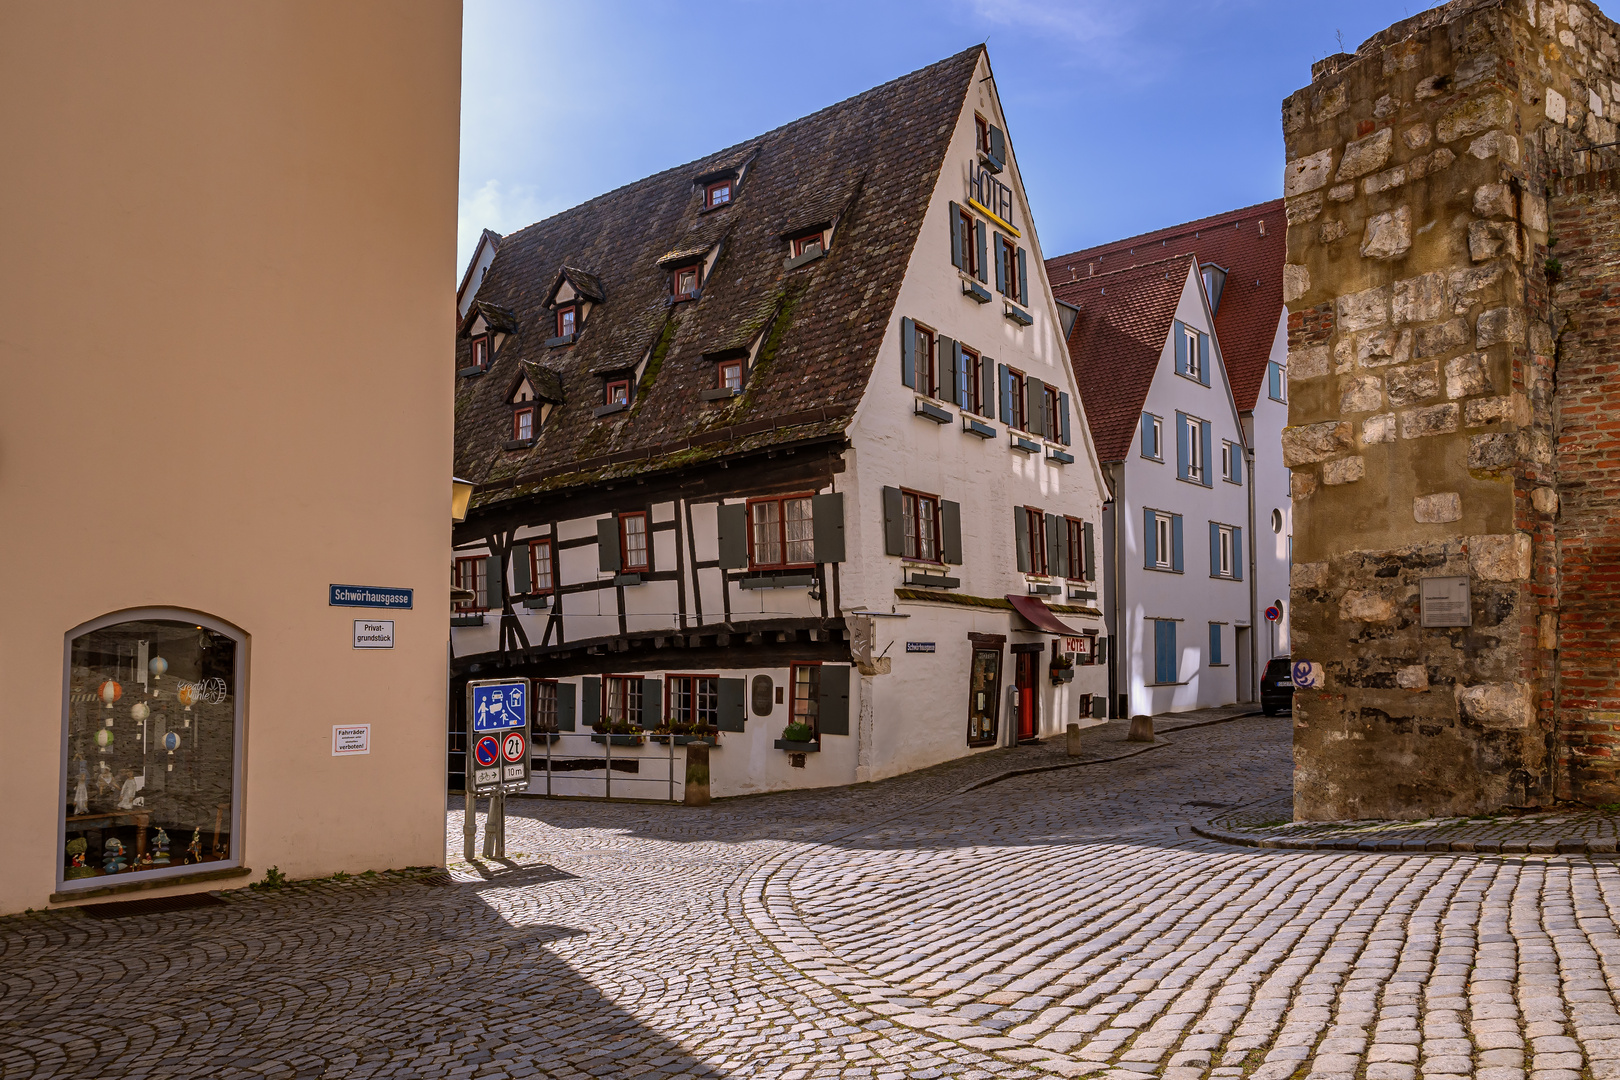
(1254, 585)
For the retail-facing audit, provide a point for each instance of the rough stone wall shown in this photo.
(1586, 315)
(1421, 415)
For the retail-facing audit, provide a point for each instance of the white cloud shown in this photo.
(502, 207)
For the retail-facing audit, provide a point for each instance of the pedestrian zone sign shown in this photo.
(498, 739)
(498, 706)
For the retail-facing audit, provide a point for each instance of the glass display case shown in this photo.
(153, 748)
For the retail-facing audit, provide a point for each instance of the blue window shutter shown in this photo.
(957, 239)
(1237, 554)
(1150, 540)
(1206, 356)
(1180, 335)
(1149, 449)
(998, 145)
(1023, 279)
(1181, 446)
(1274, 380)
(1214, 550)
(1063, 419)
(1237, 463)
(1164, 651)
(1175, 543)
(982, 235)
(908, 353)
(1001, 265)
(1006, 393)
(1214, 642)
(1204, 430)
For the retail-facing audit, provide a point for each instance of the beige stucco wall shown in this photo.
(227, 267)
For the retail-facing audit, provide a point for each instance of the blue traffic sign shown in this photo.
(500, 706)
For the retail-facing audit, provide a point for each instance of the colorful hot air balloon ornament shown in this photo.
(104, 739)
(157, 667)
(109, 692)
(171, 743)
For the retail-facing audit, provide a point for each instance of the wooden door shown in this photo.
(1029, 697)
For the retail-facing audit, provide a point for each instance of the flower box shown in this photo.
(794, 747)
(1062, 675)
(621, 740)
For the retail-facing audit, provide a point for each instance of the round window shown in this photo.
(1276, 521)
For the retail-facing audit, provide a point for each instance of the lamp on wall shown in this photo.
(460, 495)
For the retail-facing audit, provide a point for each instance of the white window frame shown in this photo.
(1163, 541)
(1282, 383)
(1195, 449)
(1194, 360)
(1226, 550)
(1158, 439)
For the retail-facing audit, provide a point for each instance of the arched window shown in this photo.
(152, 740)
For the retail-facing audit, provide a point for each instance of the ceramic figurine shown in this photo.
(194, 849)
(81, 791)
(144, 862)
(112, 856)
(76, 868)
(127, 797)
(160, 848)
(104, 778)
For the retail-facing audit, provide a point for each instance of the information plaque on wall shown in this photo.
(1444, 601)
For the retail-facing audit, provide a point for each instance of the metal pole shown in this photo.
(548, 764)
(671, 766)
(489, 828)
(469, 820)
(607, 740)
(500, 835)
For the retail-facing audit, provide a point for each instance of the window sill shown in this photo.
(632, 577)
(799, 260)
(1220, 665)
(1018, 314)
(1082, 594)
(994, 164)
(684, 297)
(720, 393)
(1037, 589)
(518, 444)
(1028, 446)
(469, 372)
(1193, 480)
(475, 618)
(565, 339)
(1155, 460)
(975, 290)
(1165, 684)
(1061, 457)
(1192, 378)
(67, 895)
(1164, 569)
(929, 411)
(929, 580)
(540, 602)
(609, 410)
(977, 427)
(778, 581)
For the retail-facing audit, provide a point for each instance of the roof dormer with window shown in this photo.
(484, 329)
(573, 294)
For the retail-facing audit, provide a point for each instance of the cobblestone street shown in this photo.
(1063, 922)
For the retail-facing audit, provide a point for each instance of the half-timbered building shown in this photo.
(783, 442)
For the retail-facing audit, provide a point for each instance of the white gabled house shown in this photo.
(784, 442)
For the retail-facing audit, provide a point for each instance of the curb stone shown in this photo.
(1568, 846)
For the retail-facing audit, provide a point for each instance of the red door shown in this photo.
(1028, 698)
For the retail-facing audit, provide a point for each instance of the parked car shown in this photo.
(1277, 686)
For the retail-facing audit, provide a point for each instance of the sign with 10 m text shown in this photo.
(497, 735)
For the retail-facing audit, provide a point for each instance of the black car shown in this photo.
(1277, 686)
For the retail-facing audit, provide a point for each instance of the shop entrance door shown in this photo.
(1029, 698)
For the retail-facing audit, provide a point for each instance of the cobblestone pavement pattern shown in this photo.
(1064, 922)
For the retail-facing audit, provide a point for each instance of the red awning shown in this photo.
(1031, 608)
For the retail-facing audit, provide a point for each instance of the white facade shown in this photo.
(1273, 502)
(1173, 609)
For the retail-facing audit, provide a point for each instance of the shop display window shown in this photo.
(153, 747)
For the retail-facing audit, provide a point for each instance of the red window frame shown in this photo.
(982, 133)
(927, 360)
(721, 368)
(973, 361)
(1009, 255)
(713, 189)
(518, 416)
(459, 571)
(624, 541)
(1049, 413)
(703, 703)
(1020, 406)
(540, 558)
(625, 716)
(970, 244)
(811, 703)
(567, 320)
(1075, 537)
(801, 243)
(1036, 520)
(696, 270)
(916, 508)
(782, 541)
(480, 351)
(608, 398)
(543, 717)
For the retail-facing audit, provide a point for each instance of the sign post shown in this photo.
(497, 753)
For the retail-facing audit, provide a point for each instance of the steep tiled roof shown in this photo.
(1116, 343)
(1251, 304)
(871, 162)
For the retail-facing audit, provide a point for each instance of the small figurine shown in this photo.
(81, 792)
(144, 861)
(160, 848)
(76, 868)
(127, 797)
(104, 778)
(194, 849)
(112, 856)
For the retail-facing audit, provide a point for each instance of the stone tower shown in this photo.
(1451, 244)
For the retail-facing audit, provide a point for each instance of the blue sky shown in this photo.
(1125, 115)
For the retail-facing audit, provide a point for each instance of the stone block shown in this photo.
(1389, 178)
(1497, 705)
(1415, 677)
(1443, 338)
(1474, 116)
(1547, 631)
(1438, 161)
(1365, 310)
(1308, 575)
(1502, 557)
(1346, 470)
(1433, 420)
(1438, 508)
(1417, 136)
(1492, 240)
(1378, 429)
(1366, 605)
(1301, 485)
(1493, 201)
(1342, 192)
(1410, 385)
(1497, 144)
(1482, 411)
(1388, 235)
(1363, 393)
(1503, 324)
(1476, 279)
(1367, 155)
(1557, 106)
(1311, 362)
(1303, 208)
(1330, 231)
(1141, 729)
(1431, 87)
(1380, 348)
(1310, 443)
(1296, 282)
(1420, 299)
(1534, 212)
(1307, 173)
(1467, 375)
(1491, 453)
(1545, 500)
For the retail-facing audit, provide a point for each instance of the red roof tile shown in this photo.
(1251, 304)
(1116, 343)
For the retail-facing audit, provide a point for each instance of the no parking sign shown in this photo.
(497, 723)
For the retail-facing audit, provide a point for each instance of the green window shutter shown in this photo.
(521, 581)
(731, 693)
(1204, 430)
(1206, 358)
(1237, 463)
(1023, 279)
(1150, 447)
(1021, 537)
(982, 236)
(832, 713)
(607, 545)
(1237, 553)
(1005, 378)
(894, 535)
(1182, 449)
(590, 699)
(1099, 703)
(950, 527)
(1001, 265)
(908, 353)
(987, 388)
(950, 361)
(652, 702)
(565, 706)
(1063, 419)
(1150, 539)
(733, 522)
(998, 144)
(1214, 550)
(827, 527)
(1214, 642)
(1057, 547)
(492, 582)
(1175, 543)
(1036, 392)
(1180, 336)
(956, 236)
(1089, 536)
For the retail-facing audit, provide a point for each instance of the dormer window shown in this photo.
(717, 194)
(480, 351)
(523, 424)
(565, 321)
(686, 282)
(731, 375)
(809, 244)
(618, 392)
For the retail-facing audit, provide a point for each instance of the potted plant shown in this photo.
(621, 733)
(1062, 669)
(797, 738)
